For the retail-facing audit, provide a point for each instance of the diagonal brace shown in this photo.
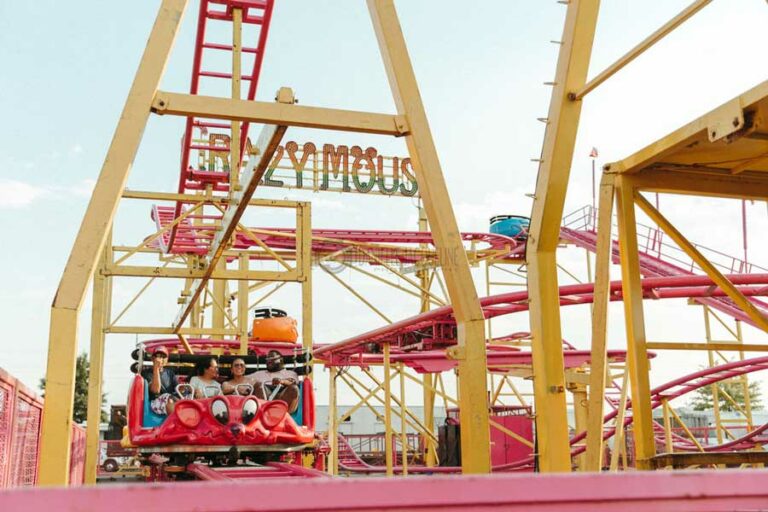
(720, 280)
(267, 144)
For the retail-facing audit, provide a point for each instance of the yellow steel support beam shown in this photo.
(100, 317)
(428, 393)
(242, 306)
(234, 139)
(637, 354)
(598, 366)
(711, 270)
(167, 103)
(219, 273)
(475, 436)
(62, 347)
(388, 412)
(414, 421)
(304, 266)
(267, 144)
(557, 153)
(219, 315)
(714, 387)
(685, 428)
(618, 437)
(638, 50)
(579, 392)
(207, 198)
(668, 446)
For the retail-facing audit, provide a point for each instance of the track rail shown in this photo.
(269, 471)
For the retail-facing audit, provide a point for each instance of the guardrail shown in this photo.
(652, 241)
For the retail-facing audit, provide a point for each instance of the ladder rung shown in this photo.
(228, 47)
(216, 74)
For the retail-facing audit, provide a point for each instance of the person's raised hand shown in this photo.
(276, 381)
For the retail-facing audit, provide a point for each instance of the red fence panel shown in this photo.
(21, 414)
(77, 460)
(6, 421)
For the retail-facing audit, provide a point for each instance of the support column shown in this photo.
(715, 387)
(304, 256)
(234, 139)
(475, 435)
(598, 372)
(403, 422)
(428, 384)
(333, 432)
(388, 412)
(579, 392)
(100, 318)
(242, 305)
(218, 317)
(544, 298)
(56, 433)
(637, 354)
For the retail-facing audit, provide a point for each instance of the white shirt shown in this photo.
(206, 388)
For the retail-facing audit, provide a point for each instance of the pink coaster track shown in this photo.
(439, 322)
(401, 246)
(660, 259)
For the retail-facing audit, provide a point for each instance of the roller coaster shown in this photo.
(447, 350)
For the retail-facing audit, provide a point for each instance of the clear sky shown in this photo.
(66, 69)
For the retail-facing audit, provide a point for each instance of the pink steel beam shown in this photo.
(271, 470)
(640, 491)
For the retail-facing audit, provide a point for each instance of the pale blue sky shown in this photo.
(67, 66)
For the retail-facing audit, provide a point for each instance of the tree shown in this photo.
(702, 401)
(80, 409)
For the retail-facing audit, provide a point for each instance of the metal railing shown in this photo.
(653, 242)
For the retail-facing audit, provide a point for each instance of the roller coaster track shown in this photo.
(659, 258)
(351, 462)
(414, 329)
(269, 471)
(399, 246)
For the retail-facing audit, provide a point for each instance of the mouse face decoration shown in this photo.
(229, 420)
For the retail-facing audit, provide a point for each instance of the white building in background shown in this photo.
(364, 421)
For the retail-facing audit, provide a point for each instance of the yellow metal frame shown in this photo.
(145, 98)
(569, 88)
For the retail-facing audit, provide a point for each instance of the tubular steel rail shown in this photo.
(402, 246)
(269, 471)
(659, 258)
(412, 330)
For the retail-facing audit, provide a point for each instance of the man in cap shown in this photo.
(276, 377)
(162, 383)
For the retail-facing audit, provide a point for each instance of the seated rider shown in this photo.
(205, 383)
(162, 383)
(238, 377)
(266, 381)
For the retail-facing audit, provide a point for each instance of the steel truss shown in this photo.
(92, 252)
